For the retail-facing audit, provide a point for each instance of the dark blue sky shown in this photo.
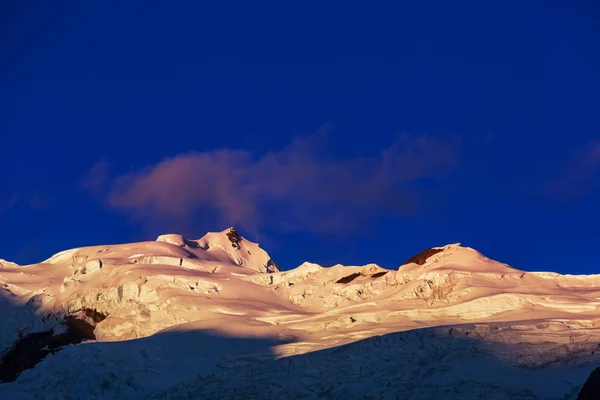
(329, 132)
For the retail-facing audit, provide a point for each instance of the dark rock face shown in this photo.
(26, 354)
(234, 238)
(32, 349)
(271, 266)
(351, 277)
(83, 329)
(348, 278)
(378, 274)
(422, 256)
(591, 387)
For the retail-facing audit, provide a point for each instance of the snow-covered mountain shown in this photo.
(214, 318)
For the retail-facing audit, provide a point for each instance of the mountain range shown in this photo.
(215, 318)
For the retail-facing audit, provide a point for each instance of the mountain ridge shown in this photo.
(226, 284)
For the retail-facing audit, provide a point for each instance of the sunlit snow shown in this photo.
(214, 318)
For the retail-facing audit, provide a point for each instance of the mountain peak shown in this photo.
(239, 249)
(456, 257)
(422, 257)
(195, 292)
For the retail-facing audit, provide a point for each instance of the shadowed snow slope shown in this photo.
(203, 318)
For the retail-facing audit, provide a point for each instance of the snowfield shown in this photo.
(214, 318)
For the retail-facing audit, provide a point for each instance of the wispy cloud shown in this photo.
(298, 188)
(580, 175)
(10, 202)
(97, 178)
(40, 201)
(37, 201)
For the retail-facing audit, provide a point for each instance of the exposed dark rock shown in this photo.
(234, 238)
(32, 348)
(348, 278)
(378, 274)
(191, 244)
(422, 256)
(351, 277)
(84, 329)
(25, 354)
(591, 387)
(271, 266)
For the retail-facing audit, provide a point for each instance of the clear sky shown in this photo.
(328, 131)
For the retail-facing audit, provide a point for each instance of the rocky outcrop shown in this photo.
(422, 257)
(32, 348)
(82, 325)
(348, 278)
(369, 270)
(234, 238)
(379, 274)
(271, 267)
(26, 353)
(591, 387)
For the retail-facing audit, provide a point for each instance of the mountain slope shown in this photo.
(211, 306)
